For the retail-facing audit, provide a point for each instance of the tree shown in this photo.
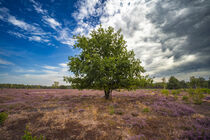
(55, 84)
(164, 82)
(173, 83)
(183, 84)
(104, 63)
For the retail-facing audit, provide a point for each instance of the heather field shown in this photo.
(63, 114)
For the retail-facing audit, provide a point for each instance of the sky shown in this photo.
(170, 37)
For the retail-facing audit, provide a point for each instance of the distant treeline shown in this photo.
(22, 86)
(174, 83)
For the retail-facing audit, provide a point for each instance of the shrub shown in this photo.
(185, 98)
(28, 136)
(191, 91)
(205, 90)
(175, 92)
(145, 110)
(3, 117)
(165, 92)
(197, 97)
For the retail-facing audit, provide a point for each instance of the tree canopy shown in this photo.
(173, 83)
(104, 63)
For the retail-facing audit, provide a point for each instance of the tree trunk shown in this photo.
(108, 94)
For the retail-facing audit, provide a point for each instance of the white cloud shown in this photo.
(44, 76)
(52, 22)
(63, 64)
(65, 37)
(35, 38)
(29, 31)
(50, 67)
(21, 24)
(5, 62)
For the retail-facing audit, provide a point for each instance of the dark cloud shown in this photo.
(187, 19)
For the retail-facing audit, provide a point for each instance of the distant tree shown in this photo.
(164, 82)
(55, 84)
(209, 83)
(173, 83)
(183, 84)
(105, 63)
(193, 82)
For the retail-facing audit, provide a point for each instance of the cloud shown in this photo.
(168, 36)
(5, 62)
(44, 75)
(63, 64)
(21, 24)
(64, 35)
(52, 22)
(50, 67)
(29, 31)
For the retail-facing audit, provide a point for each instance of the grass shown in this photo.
(3, 117)
(111, 110)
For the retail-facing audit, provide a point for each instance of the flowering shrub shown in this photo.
(167, 107)
(198, 128)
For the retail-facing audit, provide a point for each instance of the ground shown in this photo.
(63, 114)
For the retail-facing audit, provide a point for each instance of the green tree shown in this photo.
(173, 83)
(164, 82)
(104, 63)
(55, 84)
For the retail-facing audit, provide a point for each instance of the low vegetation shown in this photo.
(28, 136)
(73, 114)
(3, 117)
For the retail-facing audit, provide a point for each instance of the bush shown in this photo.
(185, 98)
(165, 92)
(3, 117)
(145, 110)
(28, 136)
(191, 91)
(205, 90)
(197, 97)
(175, 92)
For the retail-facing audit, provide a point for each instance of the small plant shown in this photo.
(28, 136)
(145, 110)
(197, 97)
(165, 92)
(191, 92)
(175, 97)
(111, 110)
(175, 92)
(3, 117)
(205, 90)
(185, 98)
